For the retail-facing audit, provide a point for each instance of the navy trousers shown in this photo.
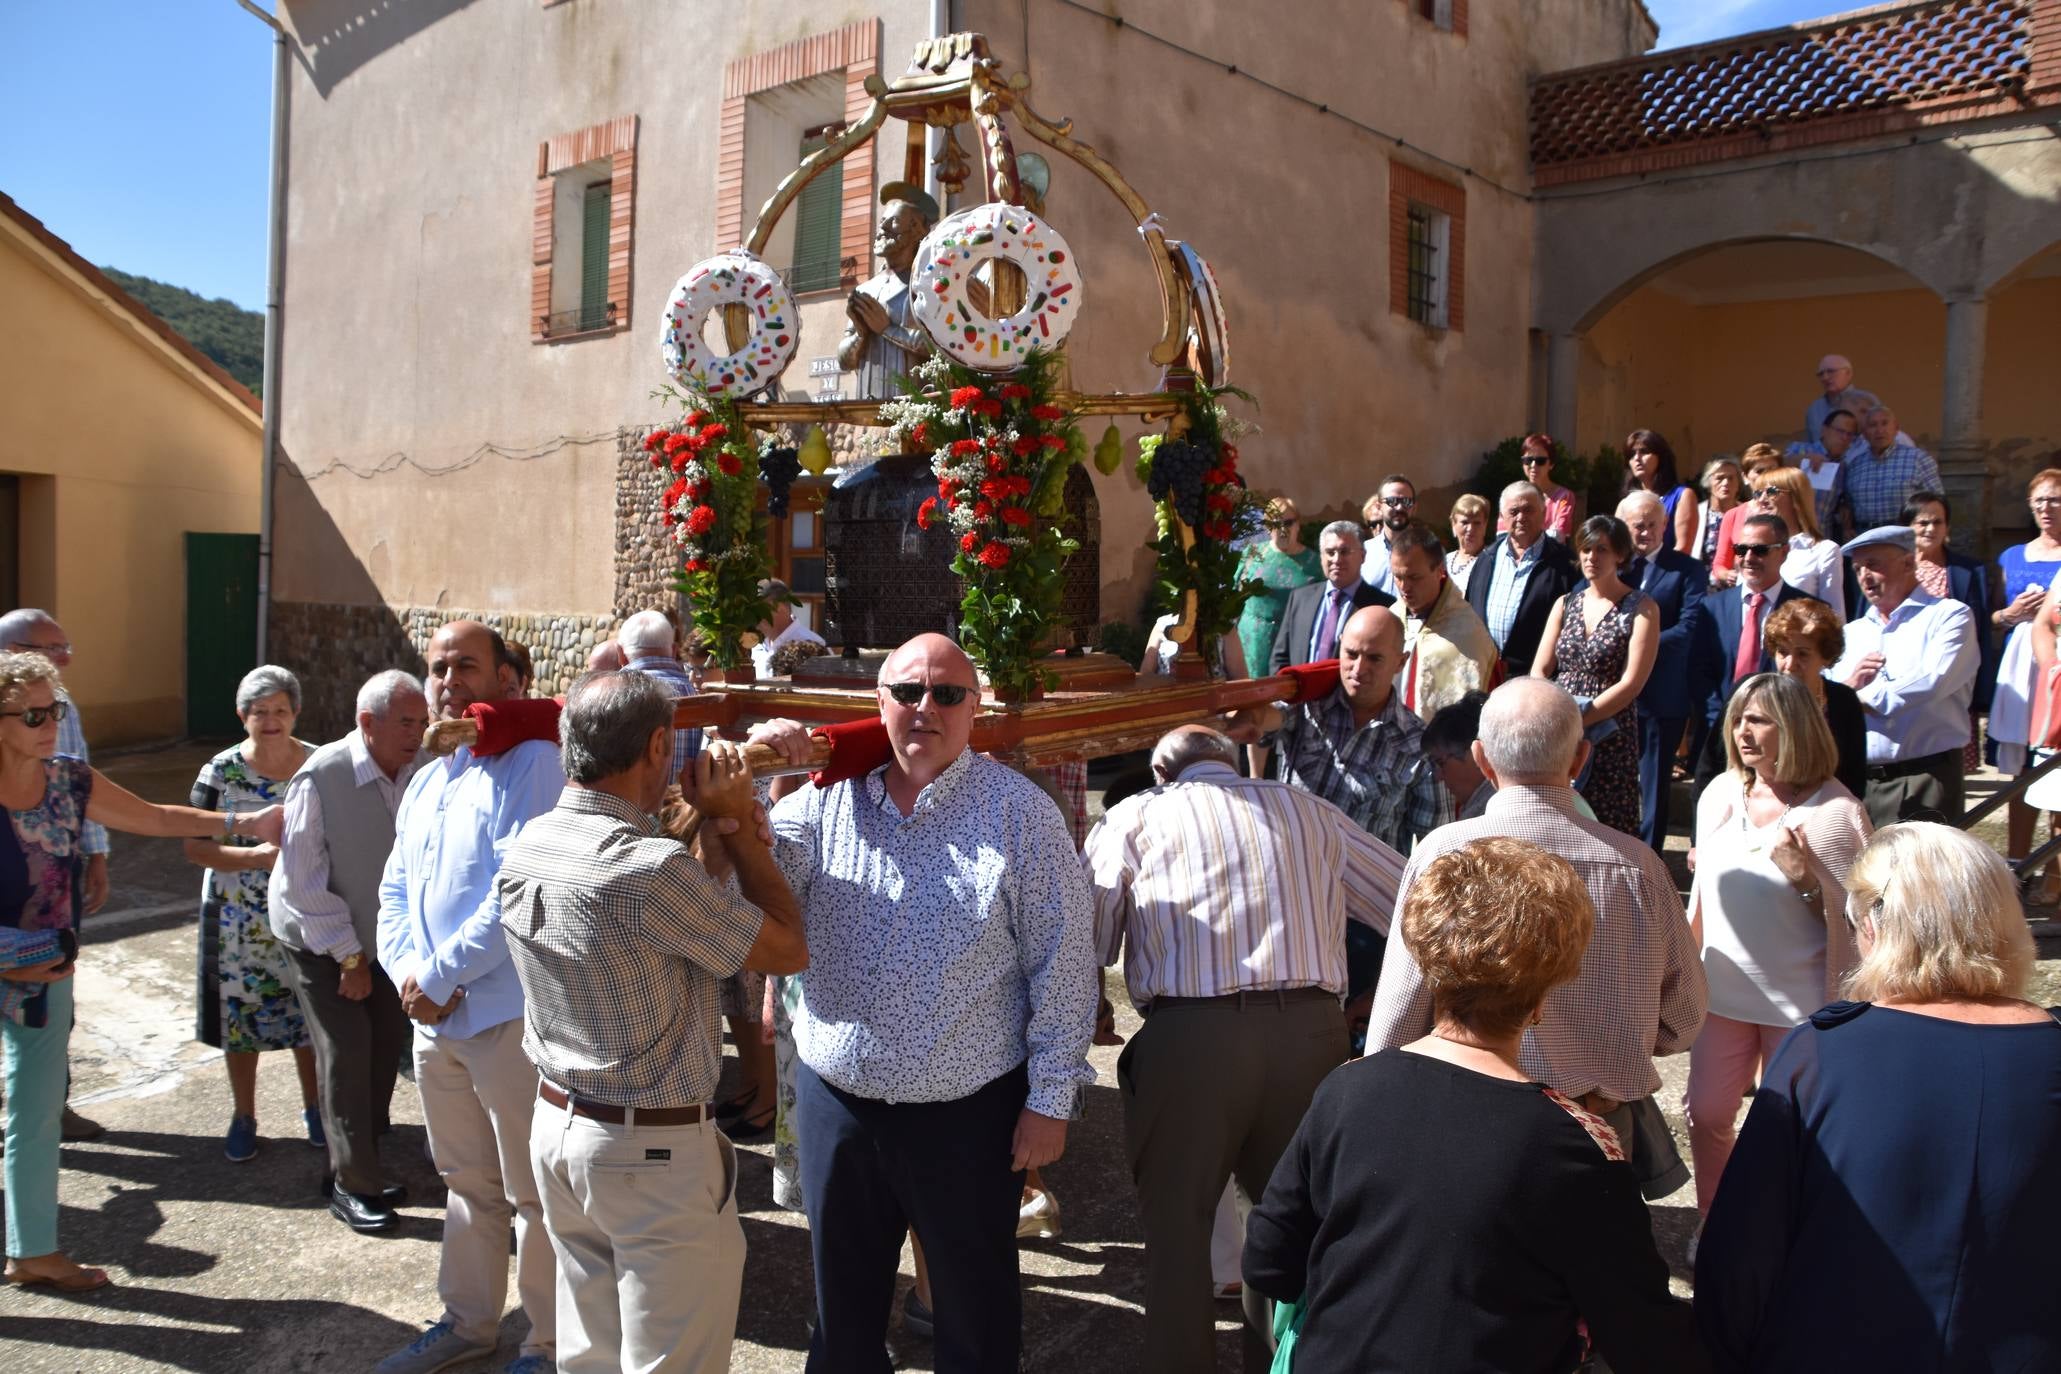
(871, 1170)
(1659, 738)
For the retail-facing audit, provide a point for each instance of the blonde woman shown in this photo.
(1470, 519)
(1814, 564)
(1892, 1200)
(1776, 834)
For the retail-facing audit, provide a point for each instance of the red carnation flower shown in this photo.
(966, 398)
(1015, 515)
(675, 442)
(1016, 391)
(990, 408)
(1230, 455)
(996, 462)
(920, 436)
(965, 448)
(1219, 530)
(1025, 446)
(728, 462)
(696, 419)
(995, 488)
(713, 432)
(969, 541)
(983, 510)
(701, 520)
(696, 565)
(671, 519)
(1020, 485)
(926, 512)
(679, 461)
(676, 490)
(1220, 502)
(658, 460)
(1048, 413)
(1052, 441)
(995, 556)
(654, 439)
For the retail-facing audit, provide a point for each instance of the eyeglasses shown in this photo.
(1279, 524)
(943, 693)
(41, 648)
(1399, 502)
(1769, 493)
(1842, 429)
(2045, 502)
(36, 715)
(1750, 550)
(1532, 460)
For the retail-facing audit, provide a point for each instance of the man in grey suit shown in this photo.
(325, 910)
(1315, 616)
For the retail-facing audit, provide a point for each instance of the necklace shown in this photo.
(1754, 837)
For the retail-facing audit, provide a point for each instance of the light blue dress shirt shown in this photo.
(439, 913)
(946, 946)
(1918, 704)
(71, 740)
(1375, 571)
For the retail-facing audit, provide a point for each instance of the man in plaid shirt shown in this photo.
(1879, 475)
(620, 939)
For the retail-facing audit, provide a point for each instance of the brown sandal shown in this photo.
(84, 1280)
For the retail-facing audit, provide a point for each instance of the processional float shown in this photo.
(983, 306)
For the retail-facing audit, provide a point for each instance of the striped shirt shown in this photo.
(620, 939)
(1640, 991)
(1216, 884)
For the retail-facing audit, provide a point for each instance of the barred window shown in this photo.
(1427, 266)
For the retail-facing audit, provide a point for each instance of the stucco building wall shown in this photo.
(122, 447)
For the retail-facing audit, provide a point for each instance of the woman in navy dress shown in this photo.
(1891, 1203)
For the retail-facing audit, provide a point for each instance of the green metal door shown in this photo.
(221, 628)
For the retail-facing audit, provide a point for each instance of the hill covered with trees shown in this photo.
(223, 330)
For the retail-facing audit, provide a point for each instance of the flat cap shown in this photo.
(1899, 535)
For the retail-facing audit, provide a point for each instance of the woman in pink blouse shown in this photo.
(1537, 459)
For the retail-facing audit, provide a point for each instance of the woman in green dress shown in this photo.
(1280, 563)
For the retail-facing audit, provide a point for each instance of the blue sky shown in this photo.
(138, 129)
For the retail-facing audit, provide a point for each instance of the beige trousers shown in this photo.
(650, 1252)
(477, 1096)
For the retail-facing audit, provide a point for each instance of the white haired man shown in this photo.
(1835, 378)
(783, 639)
(1316, 614)
(1525, 577)
(648, 644)
(31, 631)
(1881, 471)
(1913, 660)
(1640, 992)
(325, 910)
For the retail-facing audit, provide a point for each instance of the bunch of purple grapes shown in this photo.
(1177, 468)
(779, 467)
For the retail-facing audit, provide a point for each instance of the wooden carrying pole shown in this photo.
(1073, 725)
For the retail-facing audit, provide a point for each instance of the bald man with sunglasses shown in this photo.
(945, 1016)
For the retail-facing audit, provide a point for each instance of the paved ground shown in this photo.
(240, 1267)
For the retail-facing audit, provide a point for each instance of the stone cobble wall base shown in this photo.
(334, 648)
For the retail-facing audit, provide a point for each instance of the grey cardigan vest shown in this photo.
(359, 834)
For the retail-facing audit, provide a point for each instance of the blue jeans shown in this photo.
(35, 1068)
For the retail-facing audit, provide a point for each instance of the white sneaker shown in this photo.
(1038, 1218)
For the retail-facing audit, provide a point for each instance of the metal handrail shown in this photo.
(2004, 796)
(579, 320)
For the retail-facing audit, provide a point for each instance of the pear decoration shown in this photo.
(1109, 454)
(815, 452)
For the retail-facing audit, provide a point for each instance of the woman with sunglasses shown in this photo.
(1649, 465)
(1758, 459)
(1722, 484)
(1279, 564)
(1814, 564)
(1536, 458)
(48, 797)
(2029, 570)
(1775, 833)
(1892, 1201)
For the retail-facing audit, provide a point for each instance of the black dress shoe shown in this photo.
(393, 1195)
(362, 1214)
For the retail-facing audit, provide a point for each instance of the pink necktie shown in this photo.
(1327, 628)
(1749, 641)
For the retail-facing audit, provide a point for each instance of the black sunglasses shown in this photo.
(943, 693)
(1399, 502)
(1279, 524)
(1767, 491)
(36, 715)
(1748, 550)
(1534, 460)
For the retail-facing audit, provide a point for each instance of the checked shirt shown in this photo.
(620, 938)
(1375, 773)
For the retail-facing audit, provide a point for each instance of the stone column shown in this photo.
(1563, 377)
(1963, 450)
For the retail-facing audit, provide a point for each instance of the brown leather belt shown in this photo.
(614, 1115)
(1250, 997)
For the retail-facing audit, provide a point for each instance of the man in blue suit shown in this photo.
(1677, 686)
(1728, 637)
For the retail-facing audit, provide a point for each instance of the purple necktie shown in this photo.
(1327, 628)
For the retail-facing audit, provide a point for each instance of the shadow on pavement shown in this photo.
(238, 1331)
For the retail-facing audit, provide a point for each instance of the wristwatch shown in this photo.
(352, 962)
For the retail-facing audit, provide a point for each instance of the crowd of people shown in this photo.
(1405, 955)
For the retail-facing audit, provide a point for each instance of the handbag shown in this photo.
(2046, 709)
